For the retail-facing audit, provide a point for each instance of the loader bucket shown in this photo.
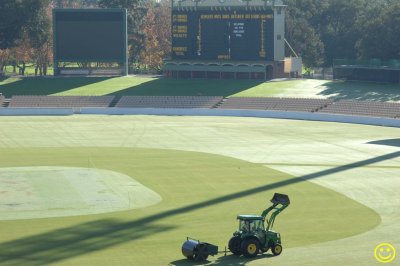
(280, 199)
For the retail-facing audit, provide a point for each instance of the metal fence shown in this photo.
(369, 63)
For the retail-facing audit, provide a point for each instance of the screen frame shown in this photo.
(193, 17)
(123, 60)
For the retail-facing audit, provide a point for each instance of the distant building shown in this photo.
(228, 39)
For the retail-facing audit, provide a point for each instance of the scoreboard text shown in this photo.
(223, 35)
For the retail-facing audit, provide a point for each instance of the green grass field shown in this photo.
(134, 85)
(199, 191)
(60, 204)
(341, 178)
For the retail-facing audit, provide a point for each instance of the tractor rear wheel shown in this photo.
(200, 252)
(250, 247)
(234, 245)
(276, 249)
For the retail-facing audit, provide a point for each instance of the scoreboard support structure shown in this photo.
(227, 39)
(223, 70)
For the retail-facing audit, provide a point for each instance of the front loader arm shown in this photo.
(279, 203)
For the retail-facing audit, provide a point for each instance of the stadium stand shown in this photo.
(169, 101)
(343, 107)
(74, 72)
(363, 108)
(279, 104)
(2, 98)
(61, 101)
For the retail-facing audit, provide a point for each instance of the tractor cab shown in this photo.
(250, 223)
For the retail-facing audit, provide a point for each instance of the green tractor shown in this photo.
(252, 237)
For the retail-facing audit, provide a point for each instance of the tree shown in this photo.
(301, 34)
(41, 39)
(15, 17)
(22, 53)
(157, 30)
(75, 3)
(4, 58)
(339, 30)
(163, 26)
(343, 28)
(38, 26)
(305, 41)
(151, 54)
(380, 32)
(24, 27)
(137, 11)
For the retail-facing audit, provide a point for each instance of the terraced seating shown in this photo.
(363, 108)
(279, 104)
(109, 71)
(345, 107)
(168, 101)
(74, 72)
(61, 101)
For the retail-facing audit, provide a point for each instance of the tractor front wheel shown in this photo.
(250, 247)
(234, 245)
(276, 249)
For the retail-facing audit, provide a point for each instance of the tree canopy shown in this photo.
(318, 30)
(323, 30)
(19, 16)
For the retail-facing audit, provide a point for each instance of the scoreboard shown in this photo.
(90, 34)
(238, 35)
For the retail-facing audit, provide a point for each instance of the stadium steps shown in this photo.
(115, 101)
(5, 103)
(218, 104)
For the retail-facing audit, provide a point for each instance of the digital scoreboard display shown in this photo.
(241, 35)
(90, 34)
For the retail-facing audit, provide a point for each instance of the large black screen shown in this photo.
(90, 35)
(223, 35)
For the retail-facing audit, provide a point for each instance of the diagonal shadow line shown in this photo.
(387, 142)
(65, 243)
(273, 186)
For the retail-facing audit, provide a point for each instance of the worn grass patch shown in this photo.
(39, 192)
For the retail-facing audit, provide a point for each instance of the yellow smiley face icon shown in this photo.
(384, 253)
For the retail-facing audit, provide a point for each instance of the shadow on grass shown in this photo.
(363, 91)
(229, 260)
(70, 242)
(157, 86)
(64, 243)
(45, 86)
(188, 87)
(387, 142)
